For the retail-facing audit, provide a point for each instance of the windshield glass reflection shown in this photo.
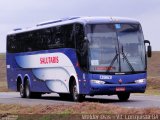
(116, 48)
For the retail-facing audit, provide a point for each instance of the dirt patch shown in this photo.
(153, 86)
(154, 64)
(80, 108)
(3, 82)
(2, 67)
(154, 82)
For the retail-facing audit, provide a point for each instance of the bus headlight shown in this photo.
(97, 82)
(140, 81)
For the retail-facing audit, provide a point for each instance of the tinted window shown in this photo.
(48, 38)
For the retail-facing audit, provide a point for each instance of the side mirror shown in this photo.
(149, 51)
(149, 48)
(146, 41)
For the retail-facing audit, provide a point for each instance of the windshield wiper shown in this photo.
(114, 59)
(124, 56)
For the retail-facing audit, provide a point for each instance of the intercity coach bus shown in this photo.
(78, 56)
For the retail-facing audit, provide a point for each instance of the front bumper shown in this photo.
(110, 89)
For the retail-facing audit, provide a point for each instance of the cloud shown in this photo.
(24, 13)
(150, 24)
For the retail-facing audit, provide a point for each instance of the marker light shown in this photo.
(97, 82)
(140, 81)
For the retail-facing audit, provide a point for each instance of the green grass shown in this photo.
(152, 92)
(153, 86)
(66, 112)
(3, 86)
(2, 56)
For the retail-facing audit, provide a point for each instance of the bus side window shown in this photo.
(11, 43)
(29, 42)
(51, 38)
(46, 37)
(19, 43)
(69, 36)
(34, 41)
(37, 38)
(59, 37)
(41, 40)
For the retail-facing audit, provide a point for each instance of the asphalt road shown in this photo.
(135, 101)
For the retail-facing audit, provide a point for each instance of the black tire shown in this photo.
(123, 96)
(74, 93)
(27, 90)
(22, 91)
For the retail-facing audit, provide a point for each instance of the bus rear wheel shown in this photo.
(27, 90)
(123, 96)
(28, 93)
(21, 90)
(74, 92)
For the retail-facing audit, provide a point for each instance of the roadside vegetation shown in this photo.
(153, 86)
(3, 82)
(79, 108)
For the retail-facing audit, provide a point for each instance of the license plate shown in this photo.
(120, 89)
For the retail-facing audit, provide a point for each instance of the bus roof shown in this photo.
(70, 20)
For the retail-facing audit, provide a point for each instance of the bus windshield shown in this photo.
(116, 48)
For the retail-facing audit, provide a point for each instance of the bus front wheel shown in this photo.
(75, 96)
(123, 96)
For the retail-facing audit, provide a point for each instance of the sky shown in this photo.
(28, 13)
